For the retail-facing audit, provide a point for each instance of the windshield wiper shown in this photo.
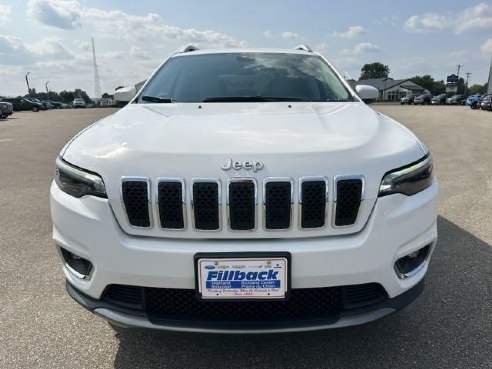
(249, 99)
(157, 99)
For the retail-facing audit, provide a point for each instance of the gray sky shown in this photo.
(51, 38)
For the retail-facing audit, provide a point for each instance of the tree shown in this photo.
(427, 82)
(477, 89)
(83, 95)
(106, 96)
(374, 70)
(461, 86)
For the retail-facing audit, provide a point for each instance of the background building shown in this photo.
(392, 89)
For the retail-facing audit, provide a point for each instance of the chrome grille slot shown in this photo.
(278, 203)
(348, 197)
(171, 203)
(205, 204)
(136, 197)
(313, 198)
(242, 204)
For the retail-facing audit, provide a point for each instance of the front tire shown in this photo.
(35, 109)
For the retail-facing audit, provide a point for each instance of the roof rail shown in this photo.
(304, 47)
(186, 49)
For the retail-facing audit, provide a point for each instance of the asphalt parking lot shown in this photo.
(449, 326)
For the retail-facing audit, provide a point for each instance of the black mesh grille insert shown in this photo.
(136, 199)
(278, 205)
(313, 204)
(206, 205)
(242, 205)
(304, 303)
(170, 199)
(349, 196)
(126, 296)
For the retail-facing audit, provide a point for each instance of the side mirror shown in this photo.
(368, 94)
(125, 94)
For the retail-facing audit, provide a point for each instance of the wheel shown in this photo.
(35, 109)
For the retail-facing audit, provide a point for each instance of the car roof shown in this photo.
(244, 50)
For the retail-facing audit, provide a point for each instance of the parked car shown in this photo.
(23, 104)
(408, 99)
(486, 102)
(78, 103)
(472, 101)
(33, 99)
(156, 209)
(48, 103)
(6, 109)
(423, 99)
(455, 99)
(439, 99)
(55, 104)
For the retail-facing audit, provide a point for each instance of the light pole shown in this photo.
(47, 91)
(466, 84)
(27, 81)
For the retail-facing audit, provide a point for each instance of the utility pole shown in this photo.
(459, 67)
(47, 91)
(466, 84)
(27, 81)
(97, 82)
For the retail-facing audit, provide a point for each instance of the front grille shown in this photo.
(304, 303)
(136, 199)
(206, 205)
(242, 205)
(277, 197)
(313, 200)
(349, 197)
(278, 205)
(170, 200)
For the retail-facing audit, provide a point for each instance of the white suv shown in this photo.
(78, 103)
(245, 191)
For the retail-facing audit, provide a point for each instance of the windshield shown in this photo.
(235, 77)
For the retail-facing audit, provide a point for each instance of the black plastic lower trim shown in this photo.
(395, 303)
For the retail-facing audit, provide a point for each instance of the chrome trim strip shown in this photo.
(424, 263)
(85, 277)
(327, 195)
(149, 199)
(238, 180)
(278, 179)
(183, 200)
(219, 202)
(336, 180)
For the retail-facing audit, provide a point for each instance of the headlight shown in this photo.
(408, 180)
(78, 182)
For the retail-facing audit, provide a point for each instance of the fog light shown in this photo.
(410, 264)
(80, 267)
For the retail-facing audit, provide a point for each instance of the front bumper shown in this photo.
(397, 226)
(127, 319)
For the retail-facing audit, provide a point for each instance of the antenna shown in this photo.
(97, 83)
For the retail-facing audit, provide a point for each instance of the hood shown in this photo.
(291, 140)
(240, 129)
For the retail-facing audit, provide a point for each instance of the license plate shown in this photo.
(260, 277)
